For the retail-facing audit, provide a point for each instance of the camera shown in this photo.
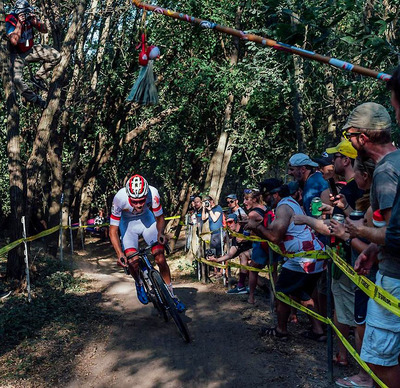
(207, 203)
(210, 252)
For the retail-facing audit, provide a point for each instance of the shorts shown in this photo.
(215, 243)
(380, 346)
(258, 255)
(343, 296)
(360, 306)
(298, 284)
(322, 285)
(131, 230)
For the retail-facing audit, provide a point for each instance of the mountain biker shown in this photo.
(136, 211)
(20, 25)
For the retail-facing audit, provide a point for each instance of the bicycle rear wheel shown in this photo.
(151, 293)
(170, 304)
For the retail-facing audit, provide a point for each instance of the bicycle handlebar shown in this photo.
(148, 248)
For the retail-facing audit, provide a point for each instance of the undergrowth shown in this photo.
(36, 336)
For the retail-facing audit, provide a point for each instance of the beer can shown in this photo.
(246, 233)
(338, 218)
(316, 203)
(356, 215)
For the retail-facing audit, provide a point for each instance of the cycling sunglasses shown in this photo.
(137, 201)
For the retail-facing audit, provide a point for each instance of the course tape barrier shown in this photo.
(47, 232)
(286, 299)
(378, 294)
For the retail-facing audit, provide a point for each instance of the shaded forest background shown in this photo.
(230, 112)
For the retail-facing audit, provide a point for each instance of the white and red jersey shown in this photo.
(122, 209)
(300, 238)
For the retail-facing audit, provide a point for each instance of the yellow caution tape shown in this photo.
(356, 356)
(306, 254)
(286, 299)
(378, 294)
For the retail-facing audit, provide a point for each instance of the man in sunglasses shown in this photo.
(368, 127)
(137, 211)
(234, 208)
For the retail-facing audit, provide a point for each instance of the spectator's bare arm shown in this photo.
(278, 228)
(360, 229)
(320, 226)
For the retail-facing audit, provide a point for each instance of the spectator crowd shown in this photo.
(348, 197)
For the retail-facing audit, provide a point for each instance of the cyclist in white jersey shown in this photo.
(137, 211)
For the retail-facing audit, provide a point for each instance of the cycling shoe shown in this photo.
(179, 305)
(141, 294)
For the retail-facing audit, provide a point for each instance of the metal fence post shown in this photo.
(28, 279)
(82, 234)
(61, 229)
(70, 235)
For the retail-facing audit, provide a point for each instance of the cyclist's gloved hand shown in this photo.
(161, 239)
(122, 262)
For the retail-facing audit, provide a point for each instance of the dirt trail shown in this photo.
(138, 349)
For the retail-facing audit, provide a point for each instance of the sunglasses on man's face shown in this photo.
(230, 201)
(138, 201)
(349, 135)
(230, 222)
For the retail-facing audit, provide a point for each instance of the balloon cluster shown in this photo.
(148, 53)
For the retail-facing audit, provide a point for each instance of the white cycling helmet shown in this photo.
(137, 187)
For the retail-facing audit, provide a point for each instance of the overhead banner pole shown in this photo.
(338, 63)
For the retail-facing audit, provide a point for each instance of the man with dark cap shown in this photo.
(20, 25)
(234, 208)
(239, 247)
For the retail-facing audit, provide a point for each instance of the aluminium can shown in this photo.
(338, 218)
(356, 215)
(316, 203)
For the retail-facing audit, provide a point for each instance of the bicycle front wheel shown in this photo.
(152, 295)
(170, 304)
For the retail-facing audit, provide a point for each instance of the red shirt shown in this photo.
(25, 43)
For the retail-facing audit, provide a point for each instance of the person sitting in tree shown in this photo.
(20, 25)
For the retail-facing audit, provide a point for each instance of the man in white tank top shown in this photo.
(299, 275)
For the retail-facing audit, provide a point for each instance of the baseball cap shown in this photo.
(231, 196)
(345, 148)
(300, 159)
(232, 216)
(269, 184)
(324, 160)
(369, 115)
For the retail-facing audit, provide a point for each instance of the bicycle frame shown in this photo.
(158, 293)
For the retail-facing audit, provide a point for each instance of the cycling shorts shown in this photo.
(131, 230)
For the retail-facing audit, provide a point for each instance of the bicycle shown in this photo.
(158, 292)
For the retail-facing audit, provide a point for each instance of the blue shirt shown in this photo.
(215, 226)
(313, 187)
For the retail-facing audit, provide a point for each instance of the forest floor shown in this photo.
(97, 334)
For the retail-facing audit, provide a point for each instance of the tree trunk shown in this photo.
(332, 117)
(40, 146)
(298, 84)
(220, 160)
(15, 260)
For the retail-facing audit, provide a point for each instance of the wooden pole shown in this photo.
(338, 63)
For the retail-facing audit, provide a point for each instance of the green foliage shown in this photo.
(196, 78)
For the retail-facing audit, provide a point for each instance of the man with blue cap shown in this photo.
(302, 169)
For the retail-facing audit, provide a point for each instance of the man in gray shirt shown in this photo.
(369, 129)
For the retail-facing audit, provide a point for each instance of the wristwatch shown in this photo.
(348, 242)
